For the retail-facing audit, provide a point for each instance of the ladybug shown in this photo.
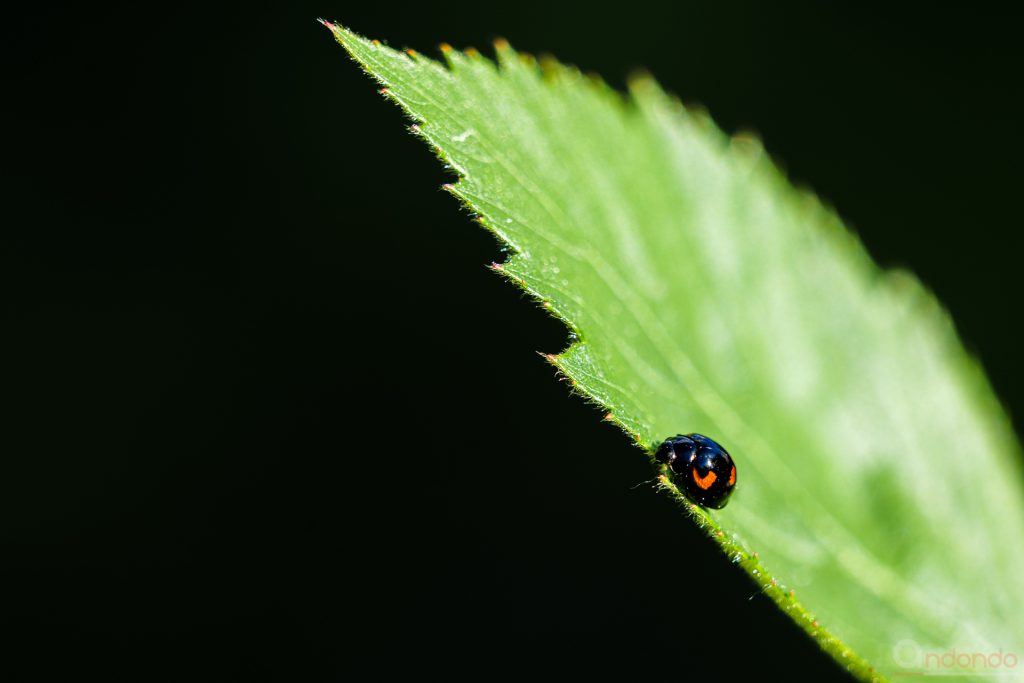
(700, 467)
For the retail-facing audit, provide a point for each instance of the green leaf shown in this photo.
(879, 479)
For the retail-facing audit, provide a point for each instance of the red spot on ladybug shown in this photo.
(706, 481)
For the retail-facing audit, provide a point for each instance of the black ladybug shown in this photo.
(700, 467)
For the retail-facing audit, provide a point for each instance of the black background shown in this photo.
(271, 416)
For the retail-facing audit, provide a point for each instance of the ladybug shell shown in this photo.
(700, 467)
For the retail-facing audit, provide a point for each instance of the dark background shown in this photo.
(271, 416)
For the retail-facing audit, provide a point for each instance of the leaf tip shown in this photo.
(452, 189)
(641, 80)
(527, 59)
(747, 144)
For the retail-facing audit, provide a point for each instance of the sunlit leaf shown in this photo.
(879, 479)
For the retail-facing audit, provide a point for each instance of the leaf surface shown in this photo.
(879, 479)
